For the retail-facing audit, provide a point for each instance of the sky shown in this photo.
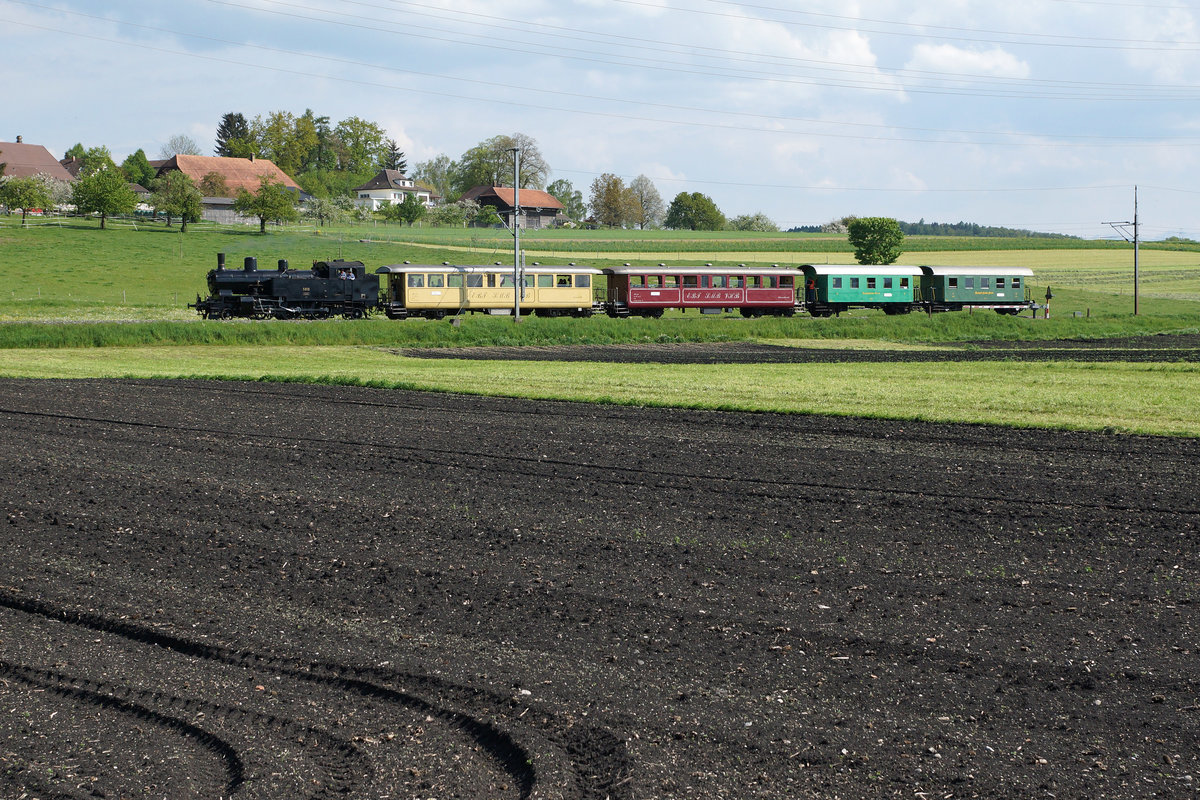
(1033, 114)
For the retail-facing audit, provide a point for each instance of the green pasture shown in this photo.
(1135, 398)
(70, 270)
(79, 302)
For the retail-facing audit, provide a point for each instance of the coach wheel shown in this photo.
(436, 314)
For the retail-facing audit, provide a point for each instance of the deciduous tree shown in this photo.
(137, 169)
(610, 201)
(272, 201)
(105, 192)
(361, 145)
(436, 174)
(179, 144)
(323, 210)
(753, 222)
(25, 194)
(650, 207)
(876, 240)
(176, 195)
(571, 198)
(695, 212)
(490, 163)
(213, 184)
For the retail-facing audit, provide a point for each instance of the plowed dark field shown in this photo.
(1165, 347)
(215, 590)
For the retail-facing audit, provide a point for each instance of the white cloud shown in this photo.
(954, 61)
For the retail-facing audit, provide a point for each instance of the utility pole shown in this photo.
(1120, 227)
(518, 288)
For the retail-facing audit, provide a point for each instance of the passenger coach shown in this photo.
(648, 291)
(833, 288)
(1004, 289)
(425, 290)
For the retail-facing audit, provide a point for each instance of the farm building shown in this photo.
(237, 173)
(539, 209)
(26, 160)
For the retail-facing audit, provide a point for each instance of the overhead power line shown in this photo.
(840, 129)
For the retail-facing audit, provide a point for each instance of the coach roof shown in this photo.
(485, 268)
(1024, 272)
(859, 269)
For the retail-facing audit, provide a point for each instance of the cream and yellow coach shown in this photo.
(438, 291)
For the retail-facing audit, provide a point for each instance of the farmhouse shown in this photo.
(391, 186)
(539, 209)
(26, 160)
(236, 173)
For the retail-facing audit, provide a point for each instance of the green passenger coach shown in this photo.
(1004, 289)
(832, 288)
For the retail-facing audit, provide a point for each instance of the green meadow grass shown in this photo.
(79, 302)
(486, 330)
(1134, 398)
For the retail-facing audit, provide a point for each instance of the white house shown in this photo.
(390, 186)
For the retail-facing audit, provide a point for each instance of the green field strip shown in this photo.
(1134, 398)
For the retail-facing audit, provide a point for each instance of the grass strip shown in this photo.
(1119, 397)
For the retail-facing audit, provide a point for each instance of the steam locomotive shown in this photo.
(330, 288)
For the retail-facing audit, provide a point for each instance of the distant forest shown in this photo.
(923, 228)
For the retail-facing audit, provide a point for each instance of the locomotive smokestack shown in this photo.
(283, 265)
(220, 261)
(251, 263)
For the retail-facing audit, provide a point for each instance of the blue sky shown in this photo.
(1040, 114)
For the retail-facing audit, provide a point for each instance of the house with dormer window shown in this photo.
(389, 187)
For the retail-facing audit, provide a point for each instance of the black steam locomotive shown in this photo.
(330, 288)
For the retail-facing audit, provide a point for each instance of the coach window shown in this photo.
(968, 283)
(670, 281)
(870, 283)
(653, 281)
(530, 281)
(837, 283)
(887, 283)
(583, 281)
(437, 281)
(752, 281)
(454, 280)
(999, 283)
(904, 283)
(562, 281)
(952, 283)
(474, 281)
(735, 281)
(690, 281)
(415, 281)
(854, 283)
(506, 280)
(770, 282)
(491, 280)
(547, 281)
(1016, 283)
(718, 281)
(985, 283)
(786, 282)
(637, 281)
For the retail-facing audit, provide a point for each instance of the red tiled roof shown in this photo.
(530, 198)
(239, 173)
(25, 160)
